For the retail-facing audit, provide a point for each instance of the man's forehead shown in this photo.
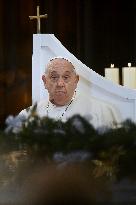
(60, 64)
(52, 71)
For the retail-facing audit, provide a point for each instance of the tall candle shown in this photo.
(129, 76)
(112, 74)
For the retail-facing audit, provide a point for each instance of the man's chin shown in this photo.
(60, 101)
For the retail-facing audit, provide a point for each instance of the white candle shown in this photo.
(129, 76)
(112, 74)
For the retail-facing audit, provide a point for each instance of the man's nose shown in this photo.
(60, 82)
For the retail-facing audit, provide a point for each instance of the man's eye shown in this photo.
(66, 77)
(54, 77)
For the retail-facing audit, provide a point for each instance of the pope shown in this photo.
(61, 79)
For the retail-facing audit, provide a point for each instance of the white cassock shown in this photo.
(98, 112)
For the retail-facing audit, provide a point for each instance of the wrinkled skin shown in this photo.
(61, 81)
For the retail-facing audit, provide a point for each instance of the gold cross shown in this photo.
(38, 18)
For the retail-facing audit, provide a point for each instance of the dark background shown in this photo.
(98, 32)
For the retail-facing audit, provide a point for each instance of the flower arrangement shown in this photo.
(112, 152)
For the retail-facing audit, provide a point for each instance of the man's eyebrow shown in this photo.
(53, 72)
(68, 72)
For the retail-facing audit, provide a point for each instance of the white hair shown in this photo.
(59, 57)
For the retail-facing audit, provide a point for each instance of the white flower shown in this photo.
(14, 124)
(75, 156)
(77, 123)
(59, 131)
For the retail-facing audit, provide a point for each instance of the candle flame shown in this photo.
(129, 64)
(112, 65)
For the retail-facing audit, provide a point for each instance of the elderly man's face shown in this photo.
(60, 81)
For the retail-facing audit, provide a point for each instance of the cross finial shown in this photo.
(38, 18)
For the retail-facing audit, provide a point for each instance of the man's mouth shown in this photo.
(60, 91)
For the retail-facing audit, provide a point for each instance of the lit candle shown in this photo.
(129, 76)
(112, 74)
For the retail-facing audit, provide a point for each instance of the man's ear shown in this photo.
(44, 81)
(77, 78)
